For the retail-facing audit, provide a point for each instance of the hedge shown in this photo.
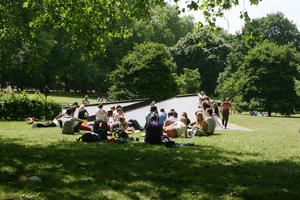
(19, 106)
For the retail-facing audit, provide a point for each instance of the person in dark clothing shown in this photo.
(225, 109)
(82, 113)
(154, 130)
(215, 108)
(46, 90)
(188, 121)
(175, 114)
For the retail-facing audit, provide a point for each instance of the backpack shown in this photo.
(119, 133)
(90, 137)
(166, 140)
(135, 124)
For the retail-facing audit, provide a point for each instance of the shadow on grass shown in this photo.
(137, 171)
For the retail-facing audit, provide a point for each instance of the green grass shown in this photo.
(262, 164)
(66, 99)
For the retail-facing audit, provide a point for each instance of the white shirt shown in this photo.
(101, 115)
(8, 90)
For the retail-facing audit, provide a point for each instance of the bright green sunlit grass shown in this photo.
(261, 164)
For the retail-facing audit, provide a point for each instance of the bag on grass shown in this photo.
(119, 133)
(166, 140)
(90, 137)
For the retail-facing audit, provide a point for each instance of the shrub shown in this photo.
(18, 106)
(146, 72)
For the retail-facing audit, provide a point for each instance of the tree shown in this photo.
(189, 81)
(274, 27)
(91, 23)
(265, 82)
(205, 52)
(235, 58)
(146, 72)
(163, 26)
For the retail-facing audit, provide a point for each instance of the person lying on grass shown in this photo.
(52, 123)
(199, 127)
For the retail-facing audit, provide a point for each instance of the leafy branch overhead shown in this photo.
(91, 23)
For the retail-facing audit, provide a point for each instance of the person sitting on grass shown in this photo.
(188, 121)
(210, 121)
(170, 120)
(154, 130)
(101, 122)
(176, 129)
(69, 123)
(153, 110)
(82, 113)
(199, 127)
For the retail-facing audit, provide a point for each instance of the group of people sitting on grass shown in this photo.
(157, 123)
(101, 125)
(160, 123)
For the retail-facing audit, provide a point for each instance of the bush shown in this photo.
(18, 106)
(146, 72)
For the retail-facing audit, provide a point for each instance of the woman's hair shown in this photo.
(86, 96)
(199, 118)
(100, 105)
(153, 109)
(153, 117)
(184, 114)
(183, 120)
(81, 106)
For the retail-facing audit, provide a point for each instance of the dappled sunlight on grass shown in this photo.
(228, 165)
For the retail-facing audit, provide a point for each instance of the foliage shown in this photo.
(213, 169)
(163, 26)
(235, 58)
(17, 106)
(189, 81)
(144, 73)
(91, 23)
(276, 28)
(265, 82)
(208, 57)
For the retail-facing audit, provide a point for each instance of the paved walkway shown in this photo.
(231, 126)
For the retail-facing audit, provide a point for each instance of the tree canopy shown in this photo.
(91, 23)
(274, 27)
(265, 81)
(209, 57)
(146, 72)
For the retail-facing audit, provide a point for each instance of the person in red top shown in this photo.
(225, 107)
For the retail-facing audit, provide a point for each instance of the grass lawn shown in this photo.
(262, 164)
(65, 99)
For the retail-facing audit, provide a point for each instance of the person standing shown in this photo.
(86, 101)
(225, 108)
(46, 91)
(8, 89)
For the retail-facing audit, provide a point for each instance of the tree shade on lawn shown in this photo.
(262, 164)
